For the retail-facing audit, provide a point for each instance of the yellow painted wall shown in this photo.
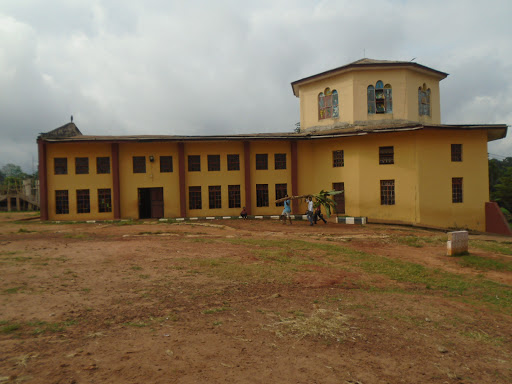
(130, 182)
(352, 88)
(270, 176)
(72, 182)
(435, 178)
(422, 171)
(206, 178)
(308, 94)
(362, 173)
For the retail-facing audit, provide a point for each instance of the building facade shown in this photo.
(370, 128)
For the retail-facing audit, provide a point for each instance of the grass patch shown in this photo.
(36, 327)
(11, 291)
(9, 328)
(24, 230)
(138, 324)
(504, 248)
(425, 280)
(484, 264)
(323, 324)
(81, 236)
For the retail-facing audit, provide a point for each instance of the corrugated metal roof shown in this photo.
(362, 63)
(494, 132)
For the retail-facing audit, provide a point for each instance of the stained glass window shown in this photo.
(424, 100)
(380, 99)
(328, 104)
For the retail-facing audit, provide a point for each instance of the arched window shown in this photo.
(328, 104)
(380, 98)
(424, 100)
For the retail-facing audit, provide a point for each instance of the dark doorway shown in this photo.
(151, 203)
(339, 199)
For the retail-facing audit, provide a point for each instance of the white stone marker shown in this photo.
(457, 243)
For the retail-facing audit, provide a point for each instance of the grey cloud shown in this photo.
(198, 67)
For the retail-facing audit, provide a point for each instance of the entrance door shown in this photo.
(340, 198)
(151, 203)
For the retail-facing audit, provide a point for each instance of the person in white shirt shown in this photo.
(310, 210)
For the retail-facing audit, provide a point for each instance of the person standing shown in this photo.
(286, 211)
(318, 215)
(309, 213)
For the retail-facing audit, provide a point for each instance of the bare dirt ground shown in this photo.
(250, 302)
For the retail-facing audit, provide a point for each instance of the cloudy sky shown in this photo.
(213, 67)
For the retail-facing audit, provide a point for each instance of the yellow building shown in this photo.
(370, 128)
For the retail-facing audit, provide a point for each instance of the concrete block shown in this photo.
(457, 243)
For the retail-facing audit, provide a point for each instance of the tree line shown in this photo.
(12, 176)
(500, 184)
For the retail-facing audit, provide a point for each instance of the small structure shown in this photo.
(457, 243)
(15, 197)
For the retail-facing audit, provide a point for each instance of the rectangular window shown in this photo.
(194, 163)
(281, 191)
(139, 164)
(104, 200)
(338, 159)
(102, 165)
(165, 164)
(213, 162)
(262, 195)
(456, 152)
(214, 197)
(280, 160)
(456, 189)
(386, 155)
(234, 196)
(83, 204)
(387, 192)
(81, 165)
(61, 202)
(194, 198)
(339, 199)
(233, 162)
(261, 161)
(60, 165)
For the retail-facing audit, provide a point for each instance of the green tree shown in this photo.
(503, 190)
(12, 170)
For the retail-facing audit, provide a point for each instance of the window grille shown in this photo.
(214, 197)
(194, 163)
(338, 159)
(233, 162)
(387, 192)
(213, 162)
(81, 165)
(456, 152)
(234, 196)
(165, 164)
(386, 155)
(262, 195)
(104, 200)
(280, 161)
(61, 202)
(261, 161)
(60, 166)
(83, 204)
(102, 165)
(194, 198)
(139, 164)
(457, 190)
(281, 191)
